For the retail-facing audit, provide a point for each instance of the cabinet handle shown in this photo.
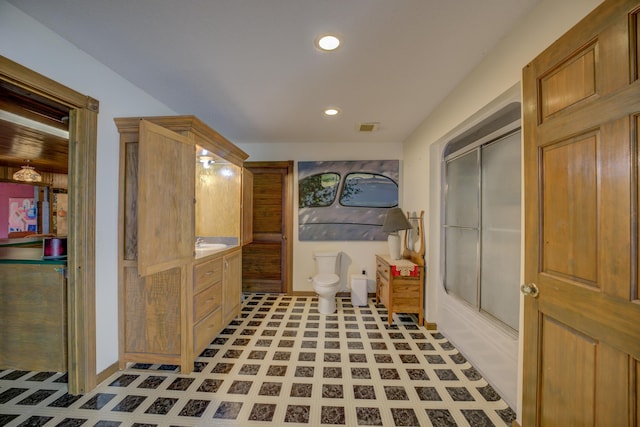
(61, 270)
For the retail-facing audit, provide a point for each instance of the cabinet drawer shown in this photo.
(383, 269)
(407, 291)
(407, 281)
(206, 301)
(406, 305)
(206, 330)
(207, 273)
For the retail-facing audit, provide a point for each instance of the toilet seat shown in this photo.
(325, 279)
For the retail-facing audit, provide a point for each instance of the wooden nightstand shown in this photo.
(399, 286)
(400, 283)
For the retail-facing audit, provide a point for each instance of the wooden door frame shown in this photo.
(83, 131)
(288, 216)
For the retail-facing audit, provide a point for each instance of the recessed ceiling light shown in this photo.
(331, 112)
(327, 42)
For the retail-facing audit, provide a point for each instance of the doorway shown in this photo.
(83, 117)
(266, 262)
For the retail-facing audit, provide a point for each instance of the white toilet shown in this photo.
(326, 282)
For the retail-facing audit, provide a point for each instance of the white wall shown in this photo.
(356, 255)
(27, 42)
(492, 351)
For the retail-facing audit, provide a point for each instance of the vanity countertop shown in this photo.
(26, 255)
(22, 241)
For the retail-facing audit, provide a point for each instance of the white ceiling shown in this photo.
(250, 70)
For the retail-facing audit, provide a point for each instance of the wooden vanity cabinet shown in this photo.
(400, 294)
(170, 304)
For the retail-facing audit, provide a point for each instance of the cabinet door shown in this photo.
(33, 313)
(232, 285)
(166, 185)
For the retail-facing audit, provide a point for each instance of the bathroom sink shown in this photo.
(210, 246)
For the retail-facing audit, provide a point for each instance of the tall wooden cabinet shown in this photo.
(172, 304)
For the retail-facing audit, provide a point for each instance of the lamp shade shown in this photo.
(395, 220)
(27, 174)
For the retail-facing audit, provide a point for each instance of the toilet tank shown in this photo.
(327, 262)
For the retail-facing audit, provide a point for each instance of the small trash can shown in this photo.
(358, 290)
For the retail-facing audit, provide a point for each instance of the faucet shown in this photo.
(199, 241)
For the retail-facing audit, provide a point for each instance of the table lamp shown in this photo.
(394, 222)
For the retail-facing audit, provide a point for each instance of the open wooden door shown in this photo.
(581, 100)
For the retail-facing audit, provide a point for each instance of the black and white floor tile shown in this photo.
(280, 363)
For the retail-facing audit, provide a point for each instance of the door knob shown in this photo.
(529, 289)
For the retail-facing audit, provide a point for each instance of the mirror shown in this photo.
(414, 238)
(218, 190)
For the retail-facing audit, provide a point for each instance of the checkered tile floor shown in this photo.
(280, 364)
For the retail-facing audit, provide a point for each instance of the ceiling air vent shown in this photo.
(368, 127)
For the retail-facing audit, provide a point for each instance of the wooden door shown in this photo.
(582, 330)
(267, 265)
(166, 191)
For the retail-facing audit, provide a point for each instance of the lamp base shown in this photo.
(394, 245)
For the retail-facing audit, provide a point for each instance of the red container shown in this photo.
(54, 247)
